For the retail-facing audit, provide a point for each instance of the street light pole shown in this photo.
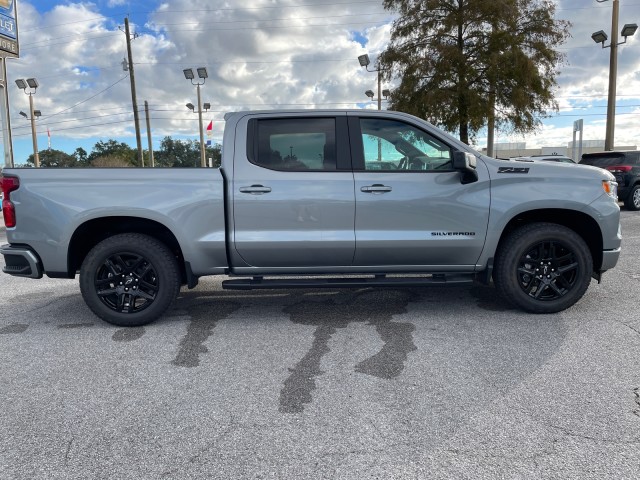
(203, 157)
(628, 30)
(32, 84)
(202, 74)
(34, 136)
(365, 62)
(613, 78)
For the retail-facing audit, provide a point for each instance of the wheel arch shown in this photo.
(581, 223)
(93, 231)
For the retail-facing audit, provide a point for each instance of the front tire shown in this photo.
(129, 279)
(633, 200)
(543, 268)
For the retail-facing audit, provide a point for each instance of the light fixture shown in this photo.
(21, 83)
(190, 106)
(32, 82)
(599, 36)
(386, 93)
(24, 114)
(206, 106)
(364, 60)
(369, 93)
(37, 113)
(202, 72)
(629, 29)
(188, 73)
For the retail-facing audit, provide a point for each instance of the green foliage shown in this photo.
(53, 158)
(110, 153)
(455, 58)
(82, 157)
(112, 149)
(184, 153)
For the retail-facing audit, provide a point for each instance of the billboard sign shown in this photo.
(8, 29)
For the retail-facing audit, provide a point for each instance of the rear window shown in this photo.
(607, 160)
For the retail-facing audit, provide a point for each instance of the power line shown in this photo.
(158, 12)
(91, 97)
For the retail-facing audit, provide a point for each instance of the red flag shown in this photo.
(210, 127)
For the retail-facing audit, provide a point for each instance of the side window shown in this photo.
(392, 145)
(296, 144)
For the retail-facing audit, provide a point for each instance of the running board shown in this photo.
(350, 282)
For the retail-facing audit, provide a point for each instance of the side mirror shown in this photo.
(466, 163)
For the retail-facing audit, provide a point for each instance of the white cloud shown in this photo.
(262, 55)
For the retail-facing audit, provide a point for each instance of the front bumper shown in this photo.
(21, 262)
(609, 259)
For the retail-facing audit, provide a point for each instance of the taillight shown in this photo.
(9, 184)
(620, 168)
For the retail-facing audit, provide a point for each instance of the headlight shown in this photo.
(610, 188)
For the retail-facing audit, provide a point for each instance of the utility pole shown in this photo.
(146, 111)
(133, 91)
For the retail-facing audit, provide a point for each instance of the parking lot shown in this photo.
(354, 384)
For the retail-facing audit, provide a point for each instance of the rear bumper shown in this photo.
(21, 262)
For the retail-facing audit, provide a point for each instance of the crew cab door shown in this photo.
(412, 208)
(292, 191)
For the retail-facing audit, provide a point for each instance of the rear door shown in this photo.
(411, 206)
(293, 192)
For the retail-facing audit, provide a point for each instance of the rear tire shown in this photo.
(129, 279)
(543, 268)
(633, 199)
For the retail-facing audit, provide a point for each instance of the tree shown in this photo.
(81, 156)
(457, 59)
(113, 150)
(54, 158)
(184, 153)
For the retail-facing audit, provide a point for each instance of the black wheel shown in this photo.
(129, 280)
(633, 200)
(543, 268)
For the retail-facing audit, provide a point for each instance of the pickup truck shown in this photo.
(311, 199)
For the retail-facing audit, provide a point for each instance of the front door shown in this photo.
(411, 207)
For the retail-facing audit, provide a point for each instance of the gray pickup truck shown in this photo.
(316, 199)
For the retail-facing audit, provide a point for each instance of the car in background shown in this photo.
(625, 165)
(544, 158)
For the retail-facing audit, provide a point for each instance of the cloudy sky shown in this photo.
(262, 54)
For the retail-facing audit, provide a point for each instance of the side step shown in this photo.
(349, 282)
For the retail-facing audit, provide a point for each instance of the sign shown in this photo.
(8, 29)
(578, 125)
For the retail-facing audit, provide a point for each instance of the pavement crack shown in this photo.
(636, 392)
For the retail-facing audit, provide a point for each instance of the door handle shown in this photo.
(376, 188)
(255, 189)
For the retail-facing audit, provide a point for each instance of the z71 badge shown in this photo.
(513, 169)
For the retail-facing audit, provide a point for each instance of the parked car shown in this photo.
(545, 158)
(625, 165)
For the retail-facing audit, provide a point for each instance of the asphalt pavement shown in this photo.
(435, 383)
